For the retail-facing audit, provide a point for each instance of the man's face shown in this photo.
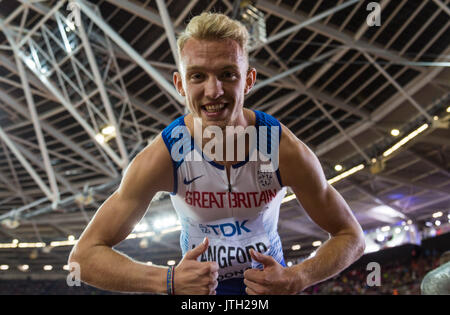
(214, 78)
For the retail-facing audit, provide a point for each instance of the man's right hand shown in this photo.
(195, 277)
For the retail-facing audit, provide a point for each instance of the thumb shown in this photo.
(194, 253)
(266, 260)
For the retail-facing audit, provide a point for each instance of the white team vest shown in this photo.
(236, 214)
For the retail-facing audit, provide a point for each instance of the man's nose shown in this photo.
(213, 88)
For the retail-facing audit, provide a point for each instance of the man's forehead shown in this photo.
(208, 52)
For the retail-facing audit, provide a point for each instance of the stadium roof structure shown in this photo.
(337, 74)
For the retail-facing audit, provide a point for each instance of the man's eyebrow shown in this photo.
(191, 68)
(197, 68)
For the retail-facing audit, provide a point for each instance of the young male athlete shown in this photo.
(228, 207)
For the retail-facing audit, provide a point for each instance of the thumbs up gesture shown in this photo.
(195, 277)
(272, 279)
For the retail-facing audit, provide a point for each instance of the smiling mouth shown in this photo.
(214, 108)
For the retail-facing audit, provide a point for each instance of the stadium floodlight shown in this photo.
(63, 243)
(31, 245)
(405, 140)
(338, 167)
(296, 247)
(288, 198)
(437, 214)
(346, 174)
(255, 23)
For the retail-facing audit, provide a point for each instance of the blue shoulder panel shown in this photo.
(266, 120)
(179, 142)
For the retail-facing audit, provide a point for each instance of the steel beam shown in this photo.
(34, 116)
(6, 139)
(104, 96)
(159, 79)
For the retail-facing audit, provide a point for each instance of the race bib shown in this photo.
(230, 241)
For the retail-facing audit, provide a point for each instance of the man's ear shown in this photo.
(250, 80)
(178, 82)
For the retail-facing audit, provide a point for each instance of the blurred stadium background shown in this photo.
(77, 102)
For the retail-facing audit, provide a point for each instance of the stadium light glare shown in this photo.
(108, 130)
(100, 138)
(346, 174)
(296, 247)
(405, 140)
(8, 245)
(288, 198)
(31, 245)
(141, 227)
(162, 223)
(380, 237)
(437, 214)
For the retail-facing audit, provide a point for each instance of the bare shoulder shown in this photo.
(151, 169)
(297, 162)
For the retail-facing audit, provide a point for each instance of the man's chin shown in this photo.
(221, 123)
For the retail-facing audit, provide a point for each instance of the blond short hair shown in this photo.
(214, 26)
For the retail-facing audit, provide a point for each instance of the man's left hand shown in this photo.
(273, 279)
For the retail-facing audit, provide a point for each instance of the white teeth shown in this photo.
(214, 108)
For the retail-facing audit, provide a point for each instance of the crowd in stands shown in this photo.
(402, 270)
(47, 287)
(396, 278)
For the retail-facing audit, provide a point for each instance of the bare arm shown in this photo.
(100, 265)
(301, 170)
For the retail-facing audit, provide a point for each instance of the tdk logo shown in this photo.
(226, 229)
